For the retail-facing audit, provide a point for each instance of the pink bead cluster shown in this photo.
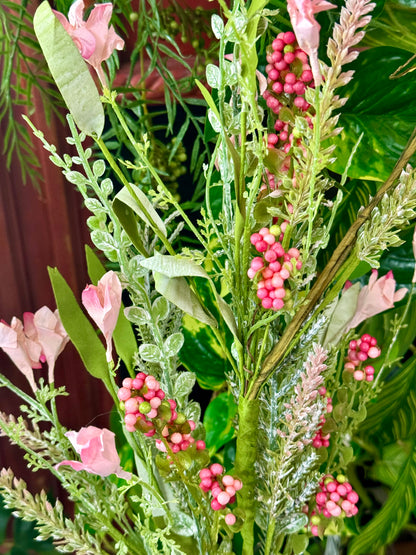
(323, 440)
(275, 264)
(147, 410)
(359, 351)
(288, 75)
(223, 488)
(335, 498)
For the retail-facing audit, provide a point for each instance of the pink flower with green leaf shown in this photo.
(95, 40)
(306, 28)
(24, 352)
(103, 303)
(97, 449)
(379, 295)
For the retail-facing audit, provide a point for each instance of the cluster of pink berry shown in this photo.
(275, 265)
(288, 75)
(359, 351)
(223, 488)
(323, 440)
(335, 498)
(147, 410)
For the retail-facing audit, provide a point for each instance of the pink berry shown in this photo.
(216, 469)
(200, 445)
(278, 304)
(261, 246)
(352, 496)
(289, 37)
(306, 76)
(267, 303)
(123, 394)
(289, 57)
(257, 263)
(278, 44)
(359, 375)
(277, 88)
(374, 352)
(223, 498)
(215, 505)
(230, 519)
(255, 238)
(270, 256)
(238, 484)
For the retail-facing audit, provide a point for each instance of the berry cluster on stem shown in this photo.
(275, 266)
(147, 410)
(336, 498)
(359, 351)
(223, 488)
(323, 440)
(289, 73)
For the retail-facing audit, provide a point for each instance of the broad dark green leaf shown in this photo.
(70, 72)
(79, 329)
(218, 421)
(386, 525)
(396, 25)
(393, 413)
(394, 456)
(202, 354)
(123, 335)
(381, 108)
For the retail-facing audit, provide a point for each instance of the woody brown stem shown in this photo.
(338, 258)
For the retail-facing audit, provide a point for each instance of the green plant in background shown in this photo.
(307, 374)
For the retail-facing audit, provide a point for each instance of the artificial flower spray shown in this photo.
(249, 289)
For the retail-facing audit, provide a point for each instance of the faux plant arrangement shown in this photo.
(259, 278)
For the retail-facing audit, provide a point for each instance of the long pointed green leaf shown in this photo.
(70, 71)
(79, 329)
(386, 525)
(123, 335)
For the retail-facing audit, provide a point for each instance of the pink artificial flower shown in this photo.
(24, 352)
(97, 449)
(94, 38)
(45, 328)
(103, 303)
(379, 295)
(306, 28)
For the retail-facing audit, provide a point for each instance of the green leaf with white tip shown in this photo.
(70, 72)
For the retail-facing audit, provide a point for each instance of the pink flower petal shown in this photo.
(103, 303)
(98, 453)
(379, 295)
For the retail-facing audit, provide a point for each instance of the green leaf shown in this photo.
(173, 344)
(393, 413)
(394, 456)
(123, 335)
(202, 354)
(142, 206)
(127, 218)
(70, 72)
(386, 525)
(184, 384)
(174, 267)
(150, 352)
(218, 421)
(79, 329)
(177, 291)
(379, 107)
(395, 25)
